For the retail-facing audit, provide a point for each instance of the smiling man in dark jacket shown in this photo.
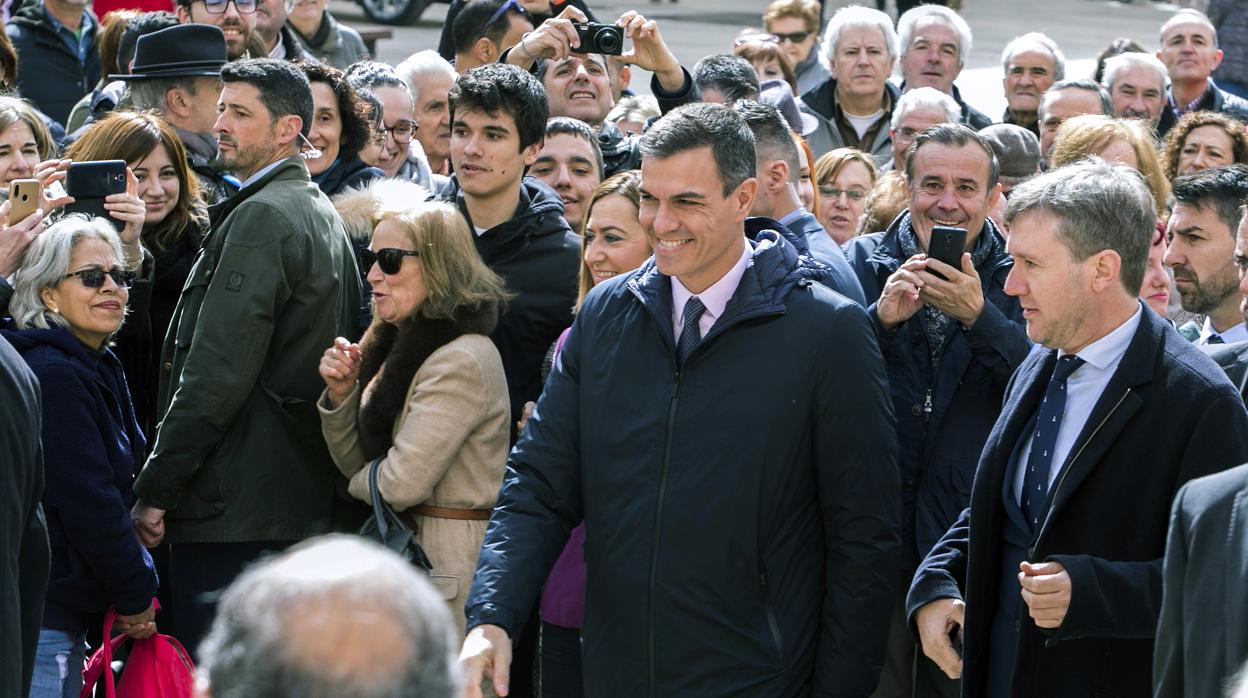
(721, 424)
(498, 121)
(950, 354)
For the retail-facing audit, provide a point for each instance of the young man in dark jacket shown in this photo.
(949, 356)
(498, 121)
(239, 464)
(720, 422)
(57, 47)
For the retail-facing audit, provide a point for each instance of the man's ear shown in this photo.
(531, 153)
(288, 129)
(184, 13)
(743, 197)
(176, 102)
(775, 176)
(485, 50)
(1106, 268)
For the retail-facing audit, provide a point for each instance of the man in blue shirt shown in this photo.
(61, 37)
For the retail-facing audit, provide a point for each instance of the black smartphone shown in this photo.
(89, 182)
(947, 245)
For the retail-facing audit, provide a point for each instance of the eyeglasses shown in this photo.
(791, 37)
(218, 7)
(401, 131)
(509, 5)
(834, 193)
(94, 278)
(389, 259)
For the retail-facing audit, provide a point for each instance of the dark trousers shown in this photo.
(559, 663)
(908, 673)
(198, 573)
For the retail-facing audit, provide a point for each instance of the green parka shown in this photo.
(239, 455)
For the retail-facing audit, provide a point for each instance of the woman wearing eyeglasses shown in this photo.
(398, 116)
(174, 222)
(69, 300)
(424, 390)
(845, 176)
(341, 127)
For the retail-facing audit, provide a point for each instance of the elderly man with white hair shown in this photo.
(430, 76)
(1031, 63)
(935, 42)
(1189, 50)
(1137, 85)
(918, 110)
(854, 107)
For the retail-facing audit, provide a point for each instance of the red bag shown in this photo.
(158, 667)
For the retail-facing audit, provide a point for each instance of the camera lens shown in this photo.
(608, 41)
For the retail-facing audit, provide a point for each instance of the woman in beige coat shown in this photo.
(424, 389)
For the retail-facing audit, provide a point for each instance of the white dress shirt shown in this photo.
(1083, 390)
(715, 298)
(1238, 333)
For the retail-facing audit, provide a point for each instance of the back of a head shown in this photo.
(497, 87)
(1221, 189)
(336, 616)
(1017, 151)
(1086, 84)
(473, 22)
(144, 24)
(1099, 206)
(731, 76)
(284, 89)
(773, 139)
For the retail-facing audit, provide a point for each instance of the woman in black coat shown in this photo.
(340, 129)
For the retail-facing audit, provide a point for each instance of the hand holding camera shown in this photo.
(554, 39)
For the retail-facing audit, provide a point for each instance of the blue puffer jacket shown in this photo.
(92, 448)
(943, 420)
(743, 526)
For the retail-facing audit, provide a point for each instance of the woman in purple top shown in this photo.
(614, 243)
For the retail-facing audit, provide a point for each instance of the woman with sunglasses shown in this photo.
(174, 222)
(423, 394)
(341, 128)
(795, 26)
(69, 301)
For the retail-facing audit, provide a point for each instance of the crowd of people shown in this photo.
(794, 375)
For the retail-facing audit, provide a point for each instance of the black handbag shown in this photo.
(385, 527)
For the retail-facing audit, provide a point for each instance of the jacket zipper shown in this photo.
(658, 524)
(1070, 466)
(927, 407)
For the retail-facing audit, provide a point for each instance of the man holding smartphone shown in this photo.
(951, 338)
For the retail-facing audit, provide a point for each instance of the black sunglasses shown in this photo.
(94, 278)
(389, 259)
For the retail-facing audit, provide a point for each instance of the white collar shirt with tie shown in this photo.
(1083, 390)
(1238, 333)
(715, 297)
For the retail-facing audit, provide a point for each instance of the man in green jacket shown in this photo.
(239, 466)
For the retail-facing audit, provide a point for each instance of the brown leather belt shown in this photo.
(448, 513)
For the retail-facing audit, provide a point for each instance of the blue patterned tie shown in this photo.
(690, 333)
(1044, 441)
(1215, 339)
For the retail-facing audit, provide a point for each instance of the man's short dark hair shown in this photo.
(1222, 189)
(1099, 206)
(701, 125)
(473, 22)
(1107, 104)
(501, 86)
(569, 126)
(731, 76)
(144, 24)
(284, 90)
(773, 139)
(953, 136)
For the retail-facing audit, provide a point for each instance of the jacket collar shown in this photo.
(292, 168)
(822, 99)
(775, 269)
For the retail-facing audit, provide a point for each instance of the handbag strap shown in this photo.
(101, 663)
(379, 509)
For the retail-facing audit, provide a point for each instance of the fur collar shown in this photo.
(390, 356)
